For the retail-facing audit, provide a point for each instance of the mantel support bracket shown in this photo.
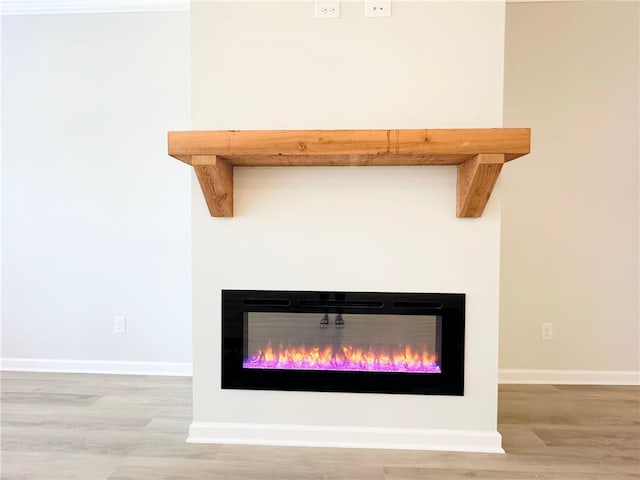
(215, 176)
(476, 178)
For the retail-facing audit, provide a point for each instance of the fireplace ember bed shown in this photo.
(402, 343)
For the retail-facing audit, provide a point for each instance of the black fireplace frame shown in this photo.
(449, 306)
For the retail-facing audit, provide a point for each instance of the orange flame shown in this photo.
(401, 355)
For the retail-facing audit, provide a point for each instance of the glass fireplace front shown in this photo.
(343, 341)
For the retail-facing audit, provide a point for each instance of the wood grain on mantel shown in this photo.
(479, 154)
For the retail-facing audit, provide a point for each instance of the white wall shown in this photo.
(272, 65)
(88, 233)
(96, 216)
(570, 209)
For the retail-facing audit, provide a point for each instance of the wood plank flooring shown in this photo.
(113, 427)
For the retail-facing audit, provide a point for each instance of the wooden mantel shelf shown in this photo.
(478, 153)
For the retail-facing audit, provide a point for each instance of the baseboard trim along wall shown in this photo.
(96, 366)
(345, 437)
(569, 377)
(505, 375)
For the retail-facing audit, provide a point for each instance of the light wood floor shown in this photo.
(63, 426)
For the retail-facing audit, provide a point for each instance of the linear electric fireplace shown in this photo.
(411, 343)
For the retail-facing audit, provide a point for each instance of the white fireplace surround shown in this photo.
(384, 229)
(347, 247)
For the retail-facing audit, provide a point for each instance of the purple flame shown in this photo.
(345, 365)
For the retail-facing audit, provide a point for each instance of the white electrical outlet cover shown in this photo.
(326, 9)
(377, 8)
(119, 324)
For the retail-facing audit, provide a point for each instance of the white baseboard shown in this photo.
(569, 377)
(345, 437)
(505, 375)
(96, 366)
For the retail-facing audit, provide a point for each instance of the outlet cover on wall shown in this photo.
(377, 8)
(547, 331)
(119, 324)
(326, 9)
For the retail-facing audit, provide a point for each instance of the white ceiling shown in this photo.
(40, 7)
(37, 7)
